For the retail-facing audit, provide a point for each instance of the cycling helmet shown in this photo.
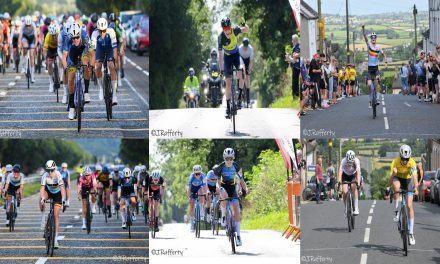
(226, 22)
(137, 168)
(27, 20)
(16, 168)
(47, 21)
(74, 30)
(405, 152)
(53, 29)
(197, 169)
(373, 35)
(98, 167)
(116, 168)
(213, 52)
(105, 170)
(36, 14)
(191, 72)
(94, 17)
(350, 156)
(63, 165)
(143, 168)
(214, 167)
(50, 165)
(112, 17)
(8, 168)
(156, 175)
(102, 24)
(7, 16)
(246, 42)
(104, 15)
(228, 153)
(87, 171)
(127, 173)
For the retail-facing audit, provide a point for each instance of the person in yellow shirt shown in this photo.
(403, 176)
(341, 82)
(50, 51)
(352, 80)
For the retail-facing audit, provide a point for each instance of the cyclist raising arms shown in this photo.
(196, 187)
(226, 173)
(350, 170)
(28, 38)
(104, 41)
(404, 176)
(155, 185)
(13, 187)
(229, 54)
(52, 187)
(76, 47)
(86, 184)
(127, 190)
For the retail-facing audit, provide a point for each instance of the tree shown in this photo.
(99, 6)
(134, 151)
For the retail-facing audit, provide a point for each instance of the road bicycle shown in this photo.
(215, 223)
(197, 213)
(349, 204)
(402, 224)
(128, 216)
(12, 214)
(56, 78)
(230, 223)
(50, 230)
(153, 219)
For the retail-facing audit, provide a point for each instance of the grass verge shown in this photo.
(286, 102)
(275, 221)
(29, 189)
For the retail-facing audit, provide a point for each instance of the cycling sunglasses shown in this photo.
(229, 159)
(50, 170)
(75, 38)
(103, 31)
(404, 159)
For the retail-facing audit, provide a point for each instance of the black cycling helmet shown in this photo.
(246, 42)
(94, 17)
(112, 17)
(226, 22)
(47, 21)
(16, 168)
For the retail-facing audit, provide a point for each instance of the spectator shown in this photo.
(334, 87)
(305, 86)
(421, 75)
(331, 180)
(326, 70)
(294, 60)
(404, 79)
(315, 78)
(319, 180)
(420, 174)
(412, 79)
(341, 81)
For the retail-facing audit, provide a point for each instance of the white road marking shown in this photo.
(146, 73)
(2, 93)
(138, 67)
(372, 206)
(369, 220)
(364, 258)
(61, 237)
(407, 104)
(367, 235)
(384, 110)
(385, 119)
(136, 92)
(76, 217)
(371, 210)
(11, 83)
(18, 77)
(69, 226)
(41, 261)
(374, 202)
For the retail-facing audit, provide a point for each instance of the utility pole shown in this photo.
(415, 32)
(354, 50)
(320, 40)
(348, 38)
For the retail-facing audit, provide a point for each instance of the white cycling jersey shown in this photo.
(350, 169)
(246, 52)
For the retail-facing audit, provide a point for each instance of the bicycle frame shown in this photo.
(230, 222)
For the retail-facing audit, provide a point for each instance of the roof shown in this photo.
(308, 11)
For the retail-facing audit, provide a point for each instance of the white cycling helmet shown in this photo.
(104, 15)
(156, 175)
(197, 169)
(50, 165)
(74, 30)
(137, 168)
(8, 168)
(63, 165)
(53, 29)
(87, 171)
(27, 20)
(405, 151)
(228, 153)
(350, 156)
(7, 16)
(17, 23)
(127, 173)
(143, 168)
(102, 24)
(98, 167)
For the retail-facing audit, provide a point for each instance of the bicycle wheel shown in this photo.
(47, 234)
(352, 215)
(39, 61)
(232, 232)
(153, 229)
(88, 218)
(145, 212)
(52, 234)
(348, 207)
(78, 103)
(233, 106)
(373, 99)
(4, 63)
(11, 217)
(404, 229)
(129, 223)
(28, 73)
(197, 220)
(108, 99)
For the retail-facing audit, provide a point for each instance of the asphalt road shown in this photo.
(106, 243)
(34, 113)
(325, 237)
(257, 245)
(211, 123)
(398, 116)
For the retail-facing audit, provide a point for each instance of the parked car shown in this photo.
(132, 31)
(427, 184)
(143, 36)
(309, 191)
(126, 16)
(434, 187)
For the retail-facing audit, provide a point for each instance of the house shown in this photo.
(309, 31)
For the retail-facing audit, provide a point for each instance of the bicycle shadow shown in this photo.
(246, 254)
(385, 249)
(163, 238)
(238, 134)
(332, 229)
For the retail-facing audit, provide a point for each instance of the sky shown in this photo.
(367, 7)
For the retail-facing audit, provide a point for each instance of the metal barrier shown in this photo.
(293, 202)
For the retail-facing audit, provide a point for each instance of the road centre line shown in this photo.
(371, 210)
(369, 220)
(41, 260)
(384, 110)
(364, 258)
(385, 119)
(407, 104)
(367, 235)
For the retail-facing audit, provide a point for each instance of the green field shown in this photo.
(274, 221)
